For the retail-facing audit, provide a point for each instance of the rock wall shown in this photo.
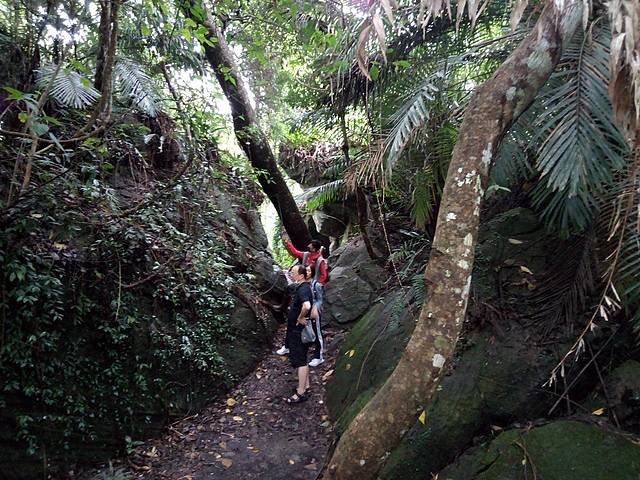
(116, 346)
(563, 450)
(354, 282)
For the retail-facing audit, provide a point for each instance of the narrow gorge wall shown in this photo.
(131, 295)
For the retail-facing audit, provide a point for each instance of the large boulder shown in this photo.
(333, 219)
(563, 450)
(353, 282)
(495, 378)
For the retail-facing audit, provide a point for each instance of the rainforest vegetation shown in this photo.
(471, 168)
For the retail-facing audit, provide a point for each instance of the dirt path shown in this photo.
(252, 433)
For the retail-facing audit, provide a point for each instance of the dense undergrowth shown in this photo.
(117, 286)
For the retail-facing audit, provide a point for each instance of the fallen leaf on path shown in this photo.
(598, 412)
(525, 270)
(327, 375)
(226, 462)
(291, 462)
(237, 418)
(513, 241)
(231, 402)
(152, 453)
(311, 466)
(223, 445)
(347, 366)
(423, 417)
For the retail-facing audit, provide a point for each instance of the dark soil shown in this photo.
(252, 433)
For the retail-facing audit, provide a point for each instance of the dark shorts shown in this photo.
(297, 350)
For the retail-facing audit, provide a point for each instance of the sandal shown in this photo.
(296, 398)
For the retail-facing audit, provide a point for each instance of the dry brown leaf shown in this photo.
(226, 462)
(624, 87)
(231, 402)
(327, 375)
(380, 34)
(237, 418)
(361, 54)
(291, 462)
(525, 270)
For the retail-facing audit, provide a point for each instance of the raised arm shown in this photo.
(293, 250)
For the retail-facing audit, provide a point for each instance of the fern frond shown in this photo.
(136, 85)
(422, 198)
(69, 88)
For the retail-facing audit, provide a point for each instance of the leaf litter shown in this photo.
(252, 433)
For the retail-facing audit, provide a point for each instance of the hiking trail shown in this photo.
(251, 433)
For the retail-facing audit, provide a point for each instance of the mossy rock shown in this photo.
(622, 398)
(380, 336)
(563, 450)
(495, 379)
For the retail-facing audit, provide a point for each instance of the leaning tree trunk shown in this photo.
(380, 425)
(251, 138)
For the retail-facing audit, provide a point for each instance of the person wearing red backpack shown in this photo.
(311, 257)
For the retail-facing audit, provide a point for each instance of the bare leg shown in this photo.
(303, 379)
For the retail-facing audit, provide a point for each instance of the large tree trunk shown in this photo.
(250, 137)
(380, 425)
(107, 42)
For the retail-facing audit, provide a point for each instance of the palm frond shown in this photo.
(628, 274)
(408, 120)
(581, 147)
(69, 88)
(325, 193)
(136, 85)
(513, 163)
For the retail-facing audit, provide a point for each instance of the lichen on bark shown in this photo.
(373, 432)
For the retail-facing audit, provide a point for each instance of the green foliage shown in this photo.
(580, 145)
(136, 85)
(104, 321)
(68, 87)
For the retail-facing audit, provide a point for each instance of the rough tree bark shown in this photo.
(245, 123)
(380, 425)
(105, 60)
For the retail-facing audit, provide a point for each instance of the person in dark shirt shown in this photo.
(296, 321)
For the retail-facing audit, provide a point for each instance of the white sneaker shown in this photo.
(316, 361)
(282, 350)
